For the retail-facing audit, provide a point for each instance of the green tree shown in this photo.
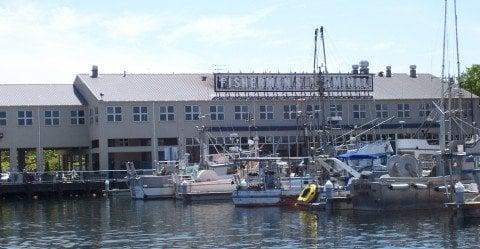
(470, 79)
(5, 160)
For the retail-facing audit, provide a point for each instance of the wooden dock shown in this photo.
(59, 189)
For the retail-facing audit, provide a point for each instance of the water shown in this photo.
(124, 223)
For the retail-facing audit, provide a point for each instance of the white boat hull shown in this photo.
(148, 193)
(252, 198)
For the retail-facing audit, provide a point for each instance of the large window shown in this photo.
(359, 111)
(313, 110)
(3, 118)
(266, 112)
(77, 117)
(140, 114)
(24, 118)
(381, 110)
(114, 113)
(289, 111)
(167, 113)
(241, 112)
(52, 118)
(217, 112)
(403, 110)
(424, 109)
(192, 112)
(336, 111)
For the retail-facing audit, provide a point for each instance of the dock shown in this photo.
(28, 185)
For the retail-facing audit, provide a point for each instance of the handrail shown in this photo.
(66, 176)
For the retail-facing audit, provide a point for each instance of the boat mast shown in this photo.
(322, 90)
(442, 141)
(315, 53)
(323, 48)
(460, 102)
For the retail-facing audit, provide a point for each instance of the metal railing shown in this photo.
(143, 168)
(66, 176)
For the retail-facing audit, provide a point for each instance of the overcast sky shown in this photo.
(52, 41)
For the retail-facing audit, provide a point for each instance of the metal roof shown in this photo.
(150, 87)
(185, 87)
(39, 94)
(402, 86)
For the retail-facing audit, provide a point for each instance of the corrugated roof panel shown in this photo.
(39, 94)
(150, 87)
(402, 86)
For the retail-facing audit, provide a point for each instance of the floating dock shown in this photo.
(27, 190)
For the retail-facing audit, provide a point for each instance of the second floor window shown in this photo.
(3, 118)
(217, 112)
(403, 110)
(24, 118)
(241, 112)
(381, 110)
(77, 117)
(114, 113)
(336, 110)
(52, 118)
(424, 109)
(313, 110)
(359, 111)
(192, 112)
(289, 112)
(266, 112)
(140, 114)
(167, 113)
(467, 109)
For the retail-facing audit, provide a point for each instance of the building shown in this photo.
(103, 120)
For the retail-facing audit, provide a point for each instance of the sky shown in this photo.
(52, 41)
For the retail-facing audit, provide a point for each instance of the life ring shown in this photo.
(308, 193)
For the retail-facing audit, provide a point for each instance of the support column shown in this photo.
(13, 159)
(103, 154)
(40, 160)
(154, 152)
(154, 137)
(89, 160)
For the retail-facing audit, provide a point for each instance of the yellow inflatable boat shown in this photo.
(308, 193)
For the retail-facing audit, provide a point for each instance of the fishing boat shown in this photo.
(160, 184)
(263, 184)
(206, 186)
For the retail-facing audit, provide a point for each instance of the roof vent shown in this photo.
(388, 72)
(204, 78)
(94, 71)
(413, 71)
(354, 69)
(364, 67)
(380, 74)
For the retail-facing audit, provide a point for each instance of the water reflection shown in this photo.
(121, 222)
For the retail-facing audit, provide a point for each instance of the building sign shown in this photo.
(292, 82)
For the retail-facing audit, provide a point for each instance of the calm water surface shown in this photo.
(124, 223)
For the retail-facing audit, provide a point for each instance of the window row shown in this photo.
(50, 117)
(217, 113)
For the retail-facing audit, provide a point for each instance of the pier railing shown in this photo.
(67, 176)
